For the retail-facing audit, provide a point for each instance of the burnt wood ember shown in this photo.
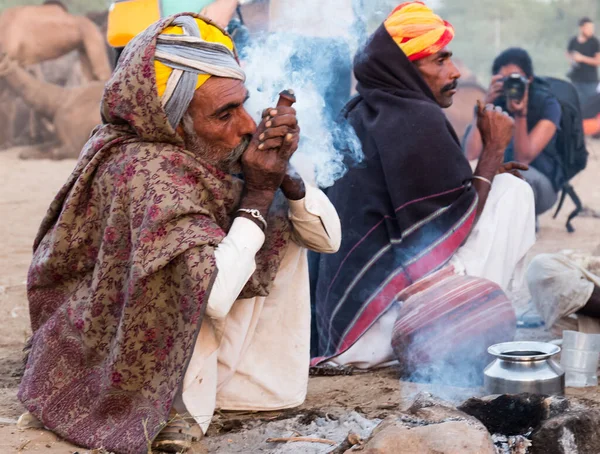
(513, 414)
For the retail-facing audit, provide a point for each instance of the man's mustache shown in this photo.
(451, 86)
(237, 152)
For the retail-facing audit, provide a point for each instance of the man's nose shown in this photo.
(247, 125)
(455, 72)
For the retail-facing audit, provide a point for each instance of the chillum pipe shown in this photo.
(286, 98)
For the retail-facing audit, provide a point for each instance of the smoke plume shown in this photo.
(312, 66)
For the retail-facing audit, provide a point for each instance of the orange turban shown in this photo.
(417, 30)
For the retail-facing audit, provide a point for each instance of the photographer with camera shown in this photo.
(537, 115)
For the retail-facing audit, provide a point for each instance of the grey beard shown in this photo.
(226, 160)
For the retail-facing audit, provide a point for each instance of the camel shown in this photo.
(20, 125)
(73, 112)
(35, 33)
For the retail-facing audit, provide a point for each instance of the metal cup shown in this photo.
(581, 341)
(579, 358)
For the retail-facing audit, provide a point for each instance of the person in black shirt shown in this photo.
(584, 55)
(537, 119)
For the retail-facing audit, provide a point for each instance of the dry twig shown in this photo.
(20, 448)
(351, 440)
(302, 439)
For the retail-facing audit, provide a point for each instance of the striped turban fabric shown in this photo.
(417, 30)
(187, 55)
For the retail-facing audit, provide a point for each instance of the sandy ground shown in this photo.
(26, 190)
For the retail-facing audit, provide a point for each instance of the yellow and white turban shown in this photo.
(418, 30)
(187, 55)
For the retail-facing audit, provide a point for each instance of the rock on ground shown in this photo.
(574, 432)
(429, 426)
(451, 437)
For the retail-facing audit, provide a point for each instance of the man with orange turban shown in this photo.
(429, 246)
(162, 281)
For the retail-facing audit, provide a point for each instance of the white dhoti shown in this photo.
(254, 354)
(495, 250)
(560, 286)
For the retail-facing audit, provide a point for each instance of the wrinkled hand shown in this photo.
(519, 108)
(265, 161)
(513, 168)
(495, 126)
(495, 89)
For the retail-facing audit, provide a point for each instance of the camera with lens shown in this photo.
(514, 86)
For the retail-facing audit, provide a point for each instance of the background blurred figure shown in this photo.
(584, 54)
(126, 19)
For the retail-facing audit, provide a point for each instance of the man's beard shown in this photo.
(226, 160)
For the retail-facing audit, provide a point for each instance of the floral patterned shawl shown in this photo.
(123, 266)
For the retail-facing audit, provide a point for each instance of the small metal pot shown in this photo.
(524, 367)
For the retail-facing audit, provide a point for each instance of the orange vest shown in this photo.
(127, 18)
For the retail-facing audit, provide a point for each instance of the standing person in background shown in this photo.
(219, 11)
(584, 54)
(126, 19)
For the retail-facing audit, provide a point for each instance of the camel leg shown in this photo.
(41, 151)
(63, 152)
(34, 133)
(9, 114)
(94, 57)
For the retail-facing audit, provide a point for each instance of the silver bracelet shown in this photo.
(478, 177)
(255, 214)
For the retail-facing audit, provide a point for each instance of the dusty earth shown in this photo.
(345, 403)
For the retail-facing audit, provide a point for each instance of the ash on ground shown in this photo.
(253, 436)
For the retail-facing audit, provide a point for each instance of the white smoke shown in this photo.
(268, 67)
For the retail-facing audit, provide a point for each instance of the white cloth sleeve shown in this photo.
(316, 222)
(235, 260)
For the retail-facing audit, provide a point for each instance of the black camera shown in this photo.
(514, 86)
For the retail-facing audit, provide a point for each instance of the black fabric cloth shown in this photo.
(411, 192)
(542, 105)
(582, 72)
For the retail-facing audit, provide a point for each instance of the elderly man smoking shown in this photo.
(158, 275)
